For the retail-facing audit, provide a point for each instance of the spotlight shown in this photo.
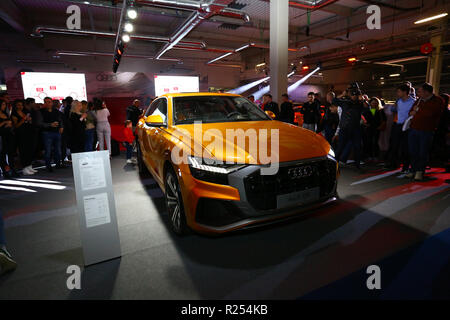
(246, 87)
(299, 82)
(128, 27)
(305, 68)
(352, 59)
(132, 13)
(126, 37)
(118, 56)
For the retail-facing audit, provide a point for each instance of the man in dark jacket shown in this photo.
(269, 105)
(426, 112)
(311, 113)
(134, 112)
(349, 131)
(287, 112)
(52, 126)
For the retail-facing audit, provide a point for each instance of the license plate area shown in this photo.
(298, 198)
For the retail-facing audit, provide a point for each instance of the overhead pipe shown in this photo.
(391, 6)
(38, 32)
(309, 6)
(206, 12)
(107, 54)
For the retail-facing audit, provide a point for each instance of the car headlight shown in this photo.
(210, 171)
(331, 154)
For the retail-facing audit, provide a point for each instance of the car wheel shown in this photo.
(174, 203)
(140, 162)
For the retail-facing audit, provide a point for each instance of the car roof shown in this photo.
(197, 94)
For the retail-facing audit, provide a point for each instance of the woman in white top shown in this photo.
(103, 127)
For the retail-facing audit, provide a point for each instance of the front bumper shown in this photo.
(257, 201)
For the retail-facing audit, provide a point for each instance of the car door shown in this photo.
(154, 142)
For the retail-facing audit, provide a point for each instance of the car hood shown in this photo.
(295, 143)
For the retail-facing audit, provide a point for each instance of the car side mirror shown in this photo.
(271, 114)
(154, 121)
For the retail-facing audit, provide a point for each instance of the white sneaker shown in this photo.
(134, 160)
(129, 161)
(27, 172)
(32, 170)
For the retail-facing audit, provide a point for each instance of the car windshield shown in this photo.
(210, 109)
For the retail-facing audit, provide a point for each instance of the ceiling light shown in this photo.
(394, 75)
(126, 38)
(261, 65)
(128, 27)
(432, 18)
(132, 13)
(219, 58)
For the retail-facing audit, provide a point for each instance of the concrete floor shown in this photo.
(381, 219)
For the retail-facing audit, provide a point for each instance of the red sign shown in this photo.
(426, 48)
(40, 89)
(52, 87)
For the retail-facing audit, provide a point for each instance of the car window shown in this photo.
(211, 109)
(158, 107)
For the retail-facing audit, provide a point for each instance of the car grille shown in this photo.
(262, 190)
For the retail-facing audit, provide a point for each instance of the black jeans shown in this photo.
(398, 150)
(25, 142)
(370, 142)
(7, 149)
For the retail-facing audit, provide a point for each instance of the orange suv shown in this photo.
(200, 148)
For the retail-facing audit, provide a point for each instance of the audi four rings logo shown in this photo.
(300, 172)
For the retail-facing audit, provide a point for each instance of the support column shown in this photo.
(279, 41)
(435, 61)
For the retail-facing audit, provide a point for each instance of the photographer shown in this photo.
(348, 134)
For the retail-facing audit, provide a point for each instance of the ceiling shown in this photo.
(335, 28)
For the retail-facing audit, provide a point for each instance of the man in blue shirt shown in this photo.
(398, 151)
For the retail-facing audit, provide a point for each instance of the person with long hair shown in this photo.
(91, 120)
(7, 142)
(375, 122)
(24, 131)
(77, 121)
(103, 127)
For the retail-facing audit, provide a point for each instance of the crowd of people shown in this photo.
(50, 130)
(403, 134)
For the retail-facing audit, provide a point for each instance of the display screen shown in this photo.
(39, 85)
(176, 84)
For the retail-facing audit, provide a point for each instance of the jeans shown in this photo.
(129, 147)
(399, 151)
(310, 126)
(348, 138)
(52, 140)
(2, 230)
(104, 133)
(419, 148)
(89, 142)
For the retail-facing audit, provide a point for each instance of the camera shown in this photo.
(354, 89)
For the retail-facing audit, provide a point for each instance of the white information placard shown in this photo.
(92, 173)
(96, 210)
(96, 206)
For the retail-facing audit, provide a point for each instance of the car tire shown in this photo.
(174, 204)
(142, 168)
